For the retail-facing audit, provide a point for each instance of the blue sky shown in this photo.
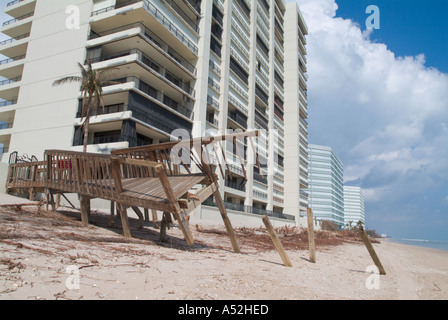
(379, 98)
(407, 27)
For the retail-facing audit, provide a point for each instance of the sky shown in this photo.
(379, 98)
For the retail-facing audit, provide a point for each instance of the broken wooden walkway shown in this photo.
(157, 177)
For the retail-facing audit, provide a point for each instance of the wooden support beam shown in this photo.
(154, 218)
(140, 216)
(225, 218)
(146, 213)
(165, 224)
(371, 250)
(85, 208)
(111, 222)
(124, 220)
(177, 211)
(311, 243)
(70, 203)
(278, 245)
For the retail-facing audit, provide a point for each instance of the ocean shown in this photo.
(435, 244)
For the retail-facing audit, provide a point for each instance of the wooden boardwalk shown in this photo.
(157, 177)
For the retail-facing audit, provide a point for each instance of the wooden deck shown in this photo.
(147, 177)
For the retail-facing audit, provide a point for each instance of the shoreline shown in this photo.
(405, 243)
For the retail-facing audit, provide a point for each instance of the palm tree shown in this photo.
(92, 82)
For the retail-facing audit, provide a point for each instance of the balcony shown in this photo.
(235, 185)
(136, 55)
(22, 17)
(14, 46)
(261, 94)
(185, 110)
(8, 103)
(155, 45)
(9, 81)
(104, 18)
(4, 126)
(238, 118)
(185, 12)
(17, 8)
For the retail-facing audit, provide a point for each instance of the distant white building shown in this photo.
(353, 206)
(325, 184)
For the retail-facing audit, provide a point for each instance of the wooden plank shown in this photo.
(311, 244)
(278, 245)
(371, 250)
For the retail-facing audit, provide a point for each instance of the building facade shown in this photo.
(325, 184)
(353, 206)
(180, 67)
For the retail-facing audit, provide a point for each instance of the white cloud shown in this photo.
(385, 116)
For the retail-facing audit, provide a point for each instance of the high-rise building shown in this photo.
(325, 184)
(198, 66)
(353, 206)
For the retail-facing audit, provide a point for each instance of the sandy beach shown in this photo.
(51, 256)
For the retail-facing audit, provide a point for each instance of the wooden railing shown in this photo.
(26, 175)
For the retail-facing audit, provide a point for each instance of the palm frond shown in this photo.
(67, 80)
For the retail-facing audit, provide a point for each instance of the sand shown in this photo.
(38, 252)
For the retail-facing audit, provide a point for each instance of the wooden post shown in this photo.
(166, 221)
(146, 212)
(124, 220)
(311, 243)
(111, 222)
(278, 245)
(177, 211)
(225, 218)
(372, 252)
(140, 216)
(58, 200)
(85, 207)
(154, 218)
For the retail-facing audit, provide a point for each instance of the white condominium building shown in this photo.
(326, 189)
(353, 206)
(201, 66)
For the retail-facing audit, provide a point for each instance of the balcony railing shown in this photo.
(185, 17)
(238, 118)
(8, 103)
(6, 61)
(235, 185)
(10, 40)
(253, 210)
(13, 2)
(212, 102)
(8, 81)
(18, 19)
(4, 126)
